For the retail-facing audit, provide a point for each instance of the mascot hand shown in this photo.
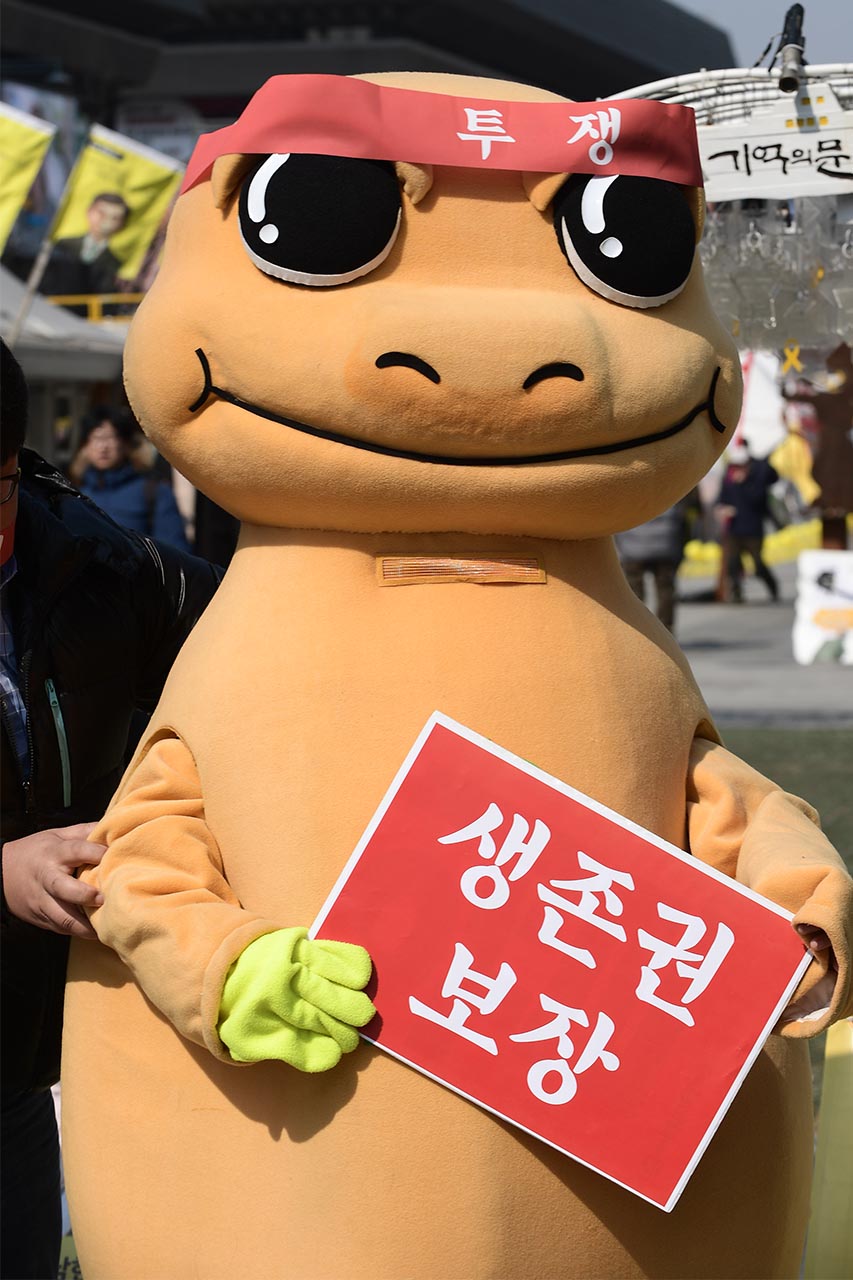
(289, 998)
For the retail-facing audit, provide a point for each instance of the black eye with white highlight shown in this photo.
(629, 239)
(319, 220)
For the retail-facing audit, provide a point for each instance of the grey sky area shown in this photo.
(750, 24)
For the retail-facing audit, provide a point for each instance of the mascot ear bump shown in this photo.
(415, 179)
(225, 177)
(541, 188)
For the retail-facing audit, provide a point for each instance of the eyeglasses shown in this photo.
(8, 485)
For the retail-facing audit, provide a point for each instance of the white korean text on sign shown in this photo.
(558, 965)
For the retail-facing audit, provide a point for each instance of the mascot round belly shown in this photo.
(462, 323)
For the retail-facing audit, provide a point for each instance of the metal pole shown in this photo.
(792, 48)
(33, 281)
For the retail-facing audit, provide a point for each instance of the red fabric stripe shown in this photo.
(337, 115)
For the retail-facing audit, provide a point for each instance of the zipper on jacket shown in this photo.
(19, 764)
(62, 739)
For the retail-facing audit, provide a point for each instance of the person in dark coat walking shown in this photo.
(656, 548)
(115, 470)
(743, 510)
(93, 617)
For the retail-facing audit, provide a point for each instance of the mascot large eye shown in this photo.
(630, 239)
(319, 220)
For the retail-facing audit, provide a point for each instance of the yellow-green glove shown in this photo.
(294, 999)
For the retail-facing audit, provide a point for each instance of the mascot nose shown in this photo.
(405, 360)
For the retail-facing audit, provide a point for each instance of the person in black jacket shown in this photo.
(656, 548)
(93, 617)
(743, 509)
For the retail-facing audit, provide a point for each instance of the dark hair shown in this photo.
(14, 404)
(122, 420)
(111, 197)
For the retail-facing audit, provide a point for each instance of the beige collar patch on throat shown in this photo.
(410, 571)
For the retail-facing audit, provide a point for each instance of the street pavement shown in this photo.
(743, 661)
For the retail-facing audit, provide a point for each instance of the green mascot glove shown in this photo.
(289, 998)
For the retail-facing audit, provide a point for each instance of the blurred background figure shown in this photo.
(832, 400)
(655, 550)
(87, 264)
(115, 467)
(743, 509)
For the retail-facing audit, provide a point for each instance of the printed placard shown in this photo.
(557, 964)
(823, 623)
(24, 141)
(796, 146)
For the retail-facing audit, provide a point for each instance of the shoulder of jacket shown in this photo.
(67, 514)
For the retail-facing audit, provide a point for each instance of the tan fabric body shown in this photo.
(298, 696)
(292, 731)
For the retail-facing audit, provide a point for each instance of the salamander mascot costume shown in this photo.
(462, 323)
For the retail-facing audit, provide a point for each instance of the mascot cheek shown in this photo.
(728, 397)
(162, 402)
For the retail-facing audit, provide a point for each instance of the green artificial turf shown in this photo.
(816, 764)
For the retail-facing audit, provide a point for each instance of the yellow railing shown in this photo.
(95, 303)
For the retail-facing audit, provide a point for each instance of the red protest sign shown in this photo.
(557, 964)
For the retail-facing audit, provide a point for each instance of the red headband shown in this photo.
(341, 116)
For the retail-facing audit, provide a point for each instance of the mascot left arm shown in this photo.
(239, 984)
(748, 828)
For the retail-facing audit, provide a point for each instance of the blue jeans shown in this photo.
(29, 1189)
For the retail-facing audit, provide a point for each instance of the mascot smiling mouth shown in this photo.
(706, 406)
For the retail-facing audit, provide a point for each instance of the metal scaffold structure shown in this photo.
(777, 154)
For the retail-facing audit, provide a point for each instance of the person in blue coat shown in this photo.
(114, 472)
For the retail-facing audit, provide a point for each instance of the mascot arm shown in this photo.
(210, 966)
(748, 828)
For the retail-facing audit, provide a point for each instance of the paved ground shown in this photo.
(742, 658)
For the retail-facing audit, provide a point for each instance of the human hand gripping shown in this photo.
(39, 882)
(298, 1000)
(817, 1000)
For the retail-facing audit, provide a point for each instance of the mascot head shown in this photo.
(436, 303)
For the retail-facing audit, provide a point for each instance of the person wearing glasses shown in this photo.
(9, 481)
(93, 617)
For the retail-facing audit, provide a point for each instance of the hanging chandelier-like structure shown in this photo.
(777, 157)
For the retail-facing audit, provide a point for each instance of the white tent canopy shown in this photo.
(54, 344)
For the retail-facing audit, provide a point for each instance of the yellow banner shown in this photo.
(116, 198)
(24, 140)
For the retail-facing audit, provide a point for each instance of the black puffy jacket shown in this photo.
(98, 616)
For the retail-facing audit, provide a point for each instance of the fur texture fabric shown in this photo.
(305, 684)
